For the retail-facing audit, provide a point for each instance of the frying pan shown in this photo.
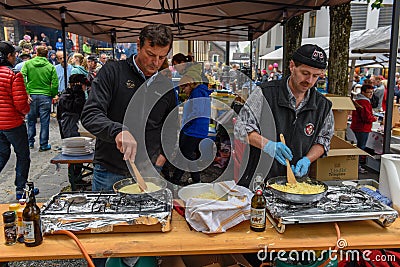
(128, 181)
(296, 198)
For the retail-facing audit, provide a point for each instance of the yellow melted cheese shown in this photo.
(135, 189)
(299, 188)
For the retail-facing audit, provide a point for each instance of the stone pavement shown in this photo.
(42, 172)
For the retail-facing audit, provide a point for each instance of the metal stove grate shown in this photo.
(341, 203)
(79, 211)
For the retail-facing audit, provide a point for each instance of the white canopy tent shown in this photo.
(365, 39)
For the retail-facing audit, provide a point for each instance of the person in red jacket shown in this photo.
(13, 108)
(362, 117)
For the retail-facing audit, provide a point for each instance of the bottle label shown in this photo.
(29, 231)
(257, 218)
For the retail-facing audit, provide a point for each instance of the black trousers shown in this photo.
(189, 146)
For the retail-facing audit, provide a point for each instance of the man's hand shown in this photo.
(29, 99)
(301, 168)
(126, 143)
(279, 151)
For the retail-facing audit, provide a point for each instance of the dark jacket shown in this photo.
(103, 115)
(300, 132)
(69, 110)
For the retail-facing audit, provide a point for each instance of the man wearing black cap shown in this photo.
(291, 106)
(92, 65)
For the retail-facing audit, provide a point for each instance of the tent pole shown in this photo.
(227, 52)
(351, 76)
(113, 41)
(251, 60)
(391, 78)
(63, 25)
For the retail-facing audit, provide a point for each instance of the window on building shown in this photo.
(312, 24)
(268, 41)
(359, 16)
(385, 15)
(215, 58)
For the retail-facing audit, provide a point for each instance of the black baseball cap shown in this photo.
(79, 78)
(6, 47)
(311, 55)
(92, 58)
(25, 55)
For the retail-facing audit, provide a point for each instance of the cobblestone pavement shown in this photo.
(42, 172)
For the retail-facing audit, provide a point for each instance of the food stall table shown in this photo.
(183, 241)
(82, 159)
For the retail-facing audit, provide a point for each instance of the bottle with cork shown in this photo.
(31, 219)
(257, 212)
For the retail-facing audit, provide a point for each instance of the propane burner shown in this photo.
(81, 211)
(342, 202)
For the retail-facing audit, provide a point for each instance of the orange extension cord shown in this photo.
(82, 248)
(338, 235)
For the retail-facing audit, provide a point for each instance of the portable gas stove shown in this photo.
(343, 202)
(98, 212)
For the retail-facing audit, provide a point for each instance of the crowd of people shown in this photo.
(34, 88)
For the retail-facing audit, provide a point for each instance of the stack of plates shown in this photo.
(77, 146)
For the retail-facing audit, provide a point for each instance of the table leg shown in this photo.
(74, 174)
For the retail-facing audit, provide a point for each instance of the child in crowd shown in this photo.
(69, 111)
(70, 105)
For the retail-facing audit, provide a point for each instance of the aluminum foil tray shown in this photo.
(98, 212)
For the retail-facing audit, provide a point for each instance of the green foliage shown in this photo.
(375, 3)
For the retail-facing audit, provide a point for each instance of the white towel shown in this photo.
(213, 216)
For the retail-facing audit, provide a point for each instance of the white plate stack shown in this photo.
(77, 146)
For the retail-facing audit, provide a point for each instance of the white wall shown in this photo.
(323, 22)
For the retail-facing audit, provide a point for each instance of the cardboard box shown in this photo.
(341, 134)
(340, 164)
(223, 260)
(341, 107)
(396, 114)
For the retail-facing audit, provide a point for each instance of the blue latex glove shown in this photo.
(279, 151)
(301, 168)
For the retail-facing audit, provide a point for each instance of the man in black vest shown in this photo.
(291, 106)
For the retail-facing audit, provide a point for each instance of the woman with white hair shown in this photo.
(79, 64)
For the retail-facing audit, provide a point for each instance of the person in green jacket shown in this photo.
(86, 48)
(41, 84)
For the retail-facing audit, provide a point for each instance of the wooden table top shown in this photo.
(182, 241)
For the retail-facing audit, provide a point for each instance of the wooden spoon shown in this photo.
(289, 173)
(139, 178)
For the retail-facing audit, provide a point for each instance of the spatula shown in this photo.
(139, 178)
(290, 175)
